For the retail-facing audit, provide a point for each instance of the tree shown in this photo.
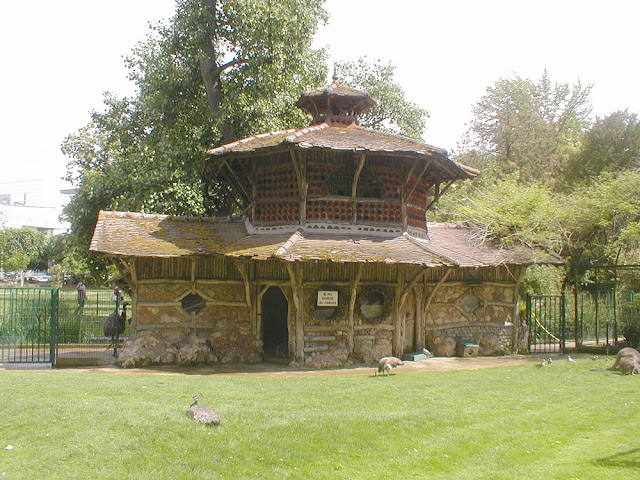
(604, 220)
(20, 249)
(529, 128)
(611, 145)
(509, 213)
(393, 113)
(215, 72)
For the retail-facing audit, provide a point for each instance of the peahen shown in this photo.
(385, 364)
(201, 414)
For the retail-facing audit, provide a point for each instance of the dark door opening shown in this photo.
(275, 334)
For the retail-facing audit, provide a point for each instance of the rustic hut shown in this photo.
(332, 261)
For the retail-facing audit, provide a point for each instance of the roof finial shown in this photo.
(335, 75)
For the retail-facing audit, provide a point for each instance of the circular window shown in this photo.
(372, 305)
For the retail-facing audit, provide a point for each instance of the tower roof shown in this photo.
(335, 100)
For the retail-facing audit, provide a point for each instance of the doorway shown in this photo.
(275, 332)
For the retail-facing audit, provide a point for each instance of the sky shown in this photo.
(60, 57)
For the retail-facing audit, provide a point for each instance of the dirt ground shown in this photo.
(436, 364)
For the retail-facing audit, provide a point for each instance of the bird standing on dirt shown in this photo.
(201, 414)
(385, 364)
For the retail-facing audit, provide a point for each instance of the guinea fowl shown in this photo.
(201, 414)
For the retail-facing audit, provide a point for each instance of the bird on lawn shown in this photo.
(543, 363)
(550, 360)
(386, 364)
(201, 414)
(569, 359)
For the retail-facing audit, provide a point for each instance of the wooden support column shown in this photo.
(193, 275)
(398, 319)
(354, 186)
(418, 332)
(516, 309)
(134, 297)
(303, 185)
(297, 287)
(352, 305)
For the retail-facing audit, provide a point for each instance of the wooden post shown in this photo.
(352, 306)
(418, 339)
(297, 287)
(397, 315)
(516, 308)
(354, 186)
(303, 185)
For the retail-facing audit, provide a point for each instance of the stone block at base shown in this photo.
(466, 349)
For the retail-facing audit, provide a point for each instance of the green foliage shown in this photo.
(508, 212)
(393, 113)
(215, 72)
(530, 128)
(73, 265)
(611, 145)
(21, 248)
(604, 218)
(322, 427)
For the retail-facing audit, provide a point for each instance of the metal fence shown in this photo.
(27, 324)
(601, 312)
(46, 324)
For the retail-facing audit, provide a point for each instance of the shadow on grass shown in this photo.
(628, 459)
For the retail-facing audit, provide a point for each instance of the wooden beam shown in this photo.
(356, 176)
(420, 175)
(397, 316)
(410, 286)
(437, 286)
(303, 185)
(516, 309)
(238, 181)
(438, 192)
(242, 268)
(295, 277)
(193, 275)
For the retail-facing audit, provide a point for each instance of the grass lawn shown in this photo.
(563, 421)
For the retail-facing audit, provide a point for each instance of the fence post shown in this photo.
(529, 322)
(53, 326)
(563, 319)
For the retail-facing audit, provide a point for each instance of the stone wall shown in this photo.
(169, 331)
(481, 313)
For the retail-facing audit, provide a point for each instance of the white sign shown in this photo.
(327, 298)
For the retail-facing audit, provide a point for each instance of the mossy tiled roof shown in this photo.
(142, 235)
(345, 138)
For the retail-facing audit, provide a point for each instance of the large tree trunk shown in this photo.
(211, 73)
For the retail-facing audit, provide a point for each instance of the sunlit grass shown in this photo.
(561, 421)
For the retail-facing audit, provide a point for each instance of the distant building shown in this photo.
(36, 204)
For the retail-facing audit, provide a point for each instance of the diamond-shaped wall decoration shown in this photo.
(469, 303)
(193, 303)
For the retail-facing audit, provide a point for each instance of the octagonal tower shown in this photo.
(335, 176)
